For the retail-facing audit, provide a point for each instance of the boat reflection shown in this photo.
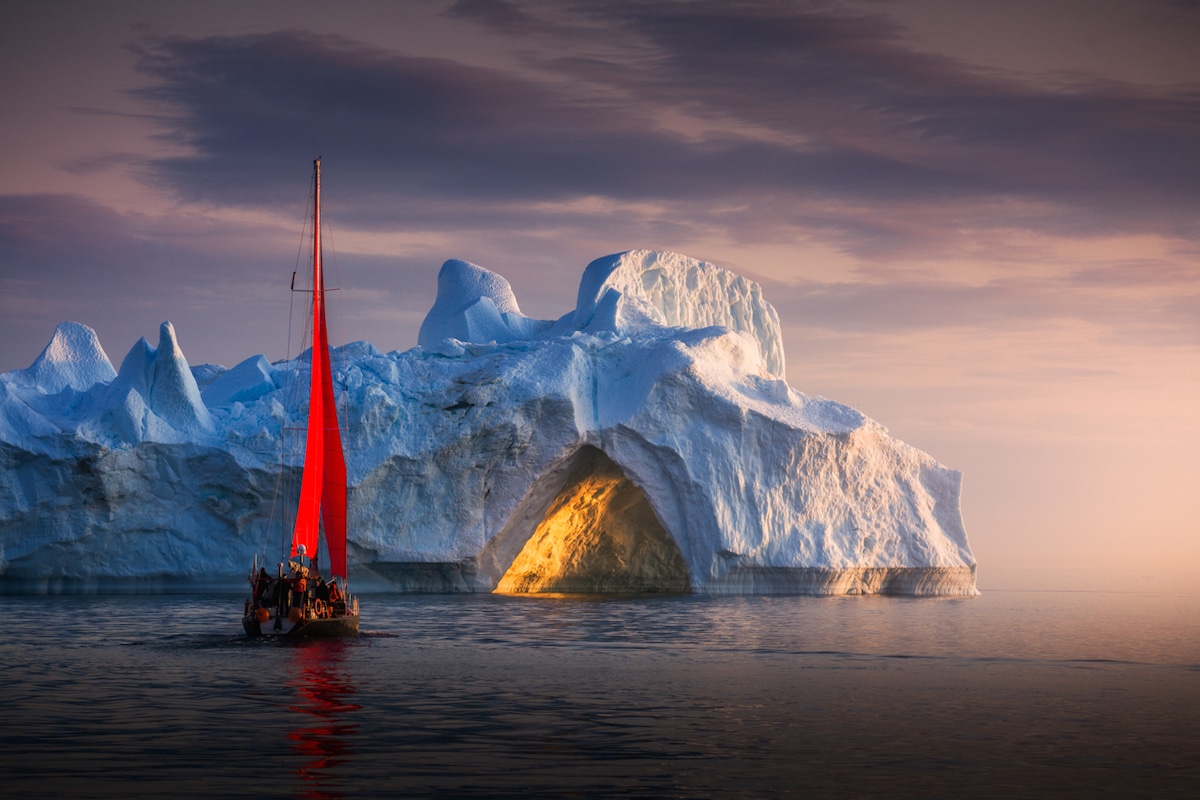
(323, 733)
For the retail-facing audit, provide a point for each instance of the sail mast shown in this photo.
(323, 487)
(308, 514)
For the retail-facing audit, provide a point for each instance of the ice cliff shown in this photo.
(644, 441)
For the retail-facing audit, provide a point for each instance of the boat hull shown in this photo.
(318, 628)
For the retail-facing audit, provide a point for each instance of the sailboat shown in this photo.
(296, 601)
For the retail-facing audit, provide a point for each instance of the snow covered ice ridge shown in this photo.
(645, 441)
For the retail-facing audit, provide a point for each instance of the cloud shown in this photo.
(493, 13)
(854, 90)
(767, 109)
(250, 107)
(685, 125)
(452, 130)
(1114, 302)
(68, 240)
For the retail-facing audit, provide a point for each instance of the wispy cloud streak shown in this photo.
(765, 109)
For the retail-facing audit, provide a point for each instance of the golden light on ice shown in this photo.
(600, 535)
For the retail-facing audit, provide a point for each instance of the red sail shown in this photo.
(323, 486)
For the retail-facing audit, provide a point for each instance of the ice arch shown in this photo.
(596, 534)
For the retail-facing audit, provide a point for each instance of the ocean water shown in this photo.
(1022, 692)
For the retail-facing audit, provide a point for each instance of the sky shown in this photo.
(979, 222)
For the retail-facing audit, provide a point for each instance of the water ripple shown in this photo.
(1030, 695)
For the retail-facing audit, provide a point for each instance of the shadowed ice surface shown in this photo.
(1018, 693)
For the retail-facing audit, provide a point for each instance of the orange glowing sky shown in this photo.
(979, 222)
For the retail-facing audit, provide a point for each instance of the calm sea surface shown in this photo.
(1018, 693)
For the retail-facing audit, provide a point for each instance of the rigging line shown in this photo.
(304, 229)
(283, 482)
(277, 499)
(295, 399)
(277, 507)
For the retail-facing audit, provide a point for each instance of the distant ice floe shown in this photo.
(654, 417)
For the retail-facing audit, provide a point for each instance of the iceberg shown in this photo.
(645, 441)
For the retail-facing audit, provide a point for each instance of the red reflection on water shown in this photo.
(323, 737)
